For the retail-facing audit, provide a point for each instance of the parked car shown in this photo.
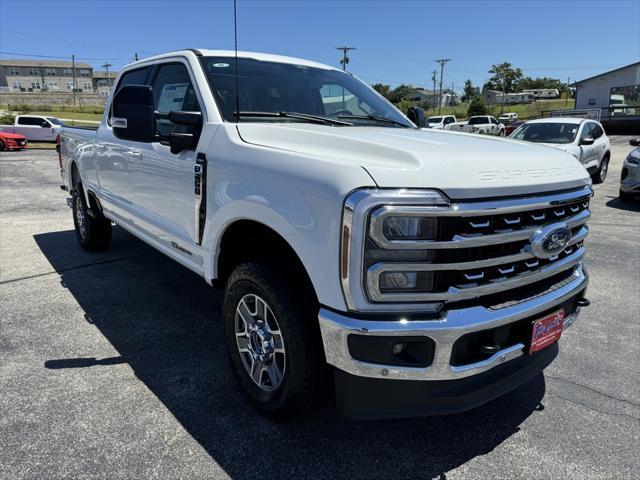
(583, 138)
(343, 237)
(36, 128)
(510, 127)
(508, 117)
(484, 125)
(440, 122)
(630, 176)
(12, 141)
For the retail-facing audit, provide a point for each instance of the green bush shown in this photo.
(477, 107)
(7, 119)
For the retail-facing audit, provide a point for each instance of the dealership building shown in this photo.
(615, 94)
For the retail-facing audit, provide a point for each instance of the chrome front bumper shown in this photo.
(444, 331)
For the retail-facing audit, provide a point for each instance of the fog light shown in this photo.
(398, 280)
(399, 348)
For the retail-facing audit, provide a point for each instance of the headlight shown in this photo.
(633, 160)
(381, 231)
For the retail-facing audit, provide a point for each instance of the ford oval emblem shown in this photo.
(550, 240)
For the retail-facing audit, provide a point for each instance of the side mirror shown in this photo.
(634, 142)
(587, 141)
(132, 114)
(416, 115)
(179, 141)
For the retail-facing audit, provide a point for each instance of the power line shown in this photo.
(53, 56)
(345, 57)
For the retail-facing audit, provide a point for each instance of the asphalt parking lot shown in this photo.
(112, 365)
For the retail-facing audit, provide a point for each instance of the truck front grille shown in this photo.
(484, 248)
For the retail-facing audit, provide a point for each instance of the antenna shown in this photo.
(235, 46)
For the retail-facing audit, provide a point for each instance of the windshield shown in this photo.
(434, 120)
(283, 87)
(478, 120)
(547, 132)
(55, 121)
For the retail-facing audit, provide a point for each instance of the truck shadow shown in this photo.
(164, 322)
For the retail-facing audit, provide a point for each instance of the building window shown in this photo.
(17, 85)
(53, 85)
(624, 101)
(86, 86)
(15, 71)
(35, 85)
(69, 85)
(68, 72)
(33, 72)
(85, 73)
(51, 72)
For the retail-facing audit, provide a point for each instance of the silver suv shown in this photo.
(630, 176)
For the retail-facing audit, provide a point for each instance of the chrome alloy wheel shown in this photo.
(80, 218)
(260, 342)
(603, 170)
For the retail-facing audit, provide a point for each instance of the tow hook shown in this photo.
(583, 302)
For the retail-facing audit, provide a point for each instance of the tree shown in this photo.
(504, 78)
(544, 82)
(477, 107)
(400, 93)
(382, 89)
(469, 91)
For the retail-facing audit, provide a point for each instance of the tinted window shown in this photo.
(494, 121)
(29, 121)
(478, 120)
(596, 130)
(135, 77)
(173, 91)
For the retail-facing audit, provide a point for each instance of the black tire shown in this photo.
(293, 307)
(600, 175)
(625, 197)
(1, 146)
(93, 233)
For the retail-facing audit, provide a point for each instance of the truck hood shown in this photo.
(461, 165)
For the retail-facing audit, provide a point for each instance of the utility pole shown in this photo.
(433, 96)
(442, 62)
(73, 73)
(345, 57)
(106, 66)
(135, 57)
(566, 94)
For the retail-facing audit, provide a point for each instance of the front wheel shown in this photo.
(273, 347)
(601, 174)
(93, 232)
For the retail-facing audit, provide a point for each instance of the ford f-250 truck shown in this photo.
(427, 271)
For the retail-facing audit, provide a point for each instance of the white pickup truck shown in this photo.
(480, 124)
(36, 128)
(428, 271)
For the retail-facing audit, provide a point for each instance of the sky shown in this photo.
(397, 41)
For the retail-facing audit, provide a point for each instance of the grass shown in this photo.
(523, 110)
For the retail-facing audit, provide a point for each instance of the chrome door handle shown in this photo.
(134, 155)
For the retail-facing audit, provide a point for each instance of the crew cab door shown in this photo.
(162, 182)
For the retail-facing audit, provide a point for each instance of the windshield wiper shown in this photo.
(298, 116)
(374, 118)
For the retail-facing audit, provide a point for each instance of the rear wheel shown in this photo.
(601, 174)
(93, 232)
(273, 347)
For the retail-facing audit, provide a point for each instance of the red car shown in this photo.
(12, 141)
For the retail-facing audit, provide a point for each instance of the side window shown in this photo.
(173, 91)
(586, 130)
(596, 131)
(494, 121)
(45, 124)
(28, 121)
(135, 77)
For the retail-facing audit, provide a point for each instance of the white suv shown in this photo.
(584, 139)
